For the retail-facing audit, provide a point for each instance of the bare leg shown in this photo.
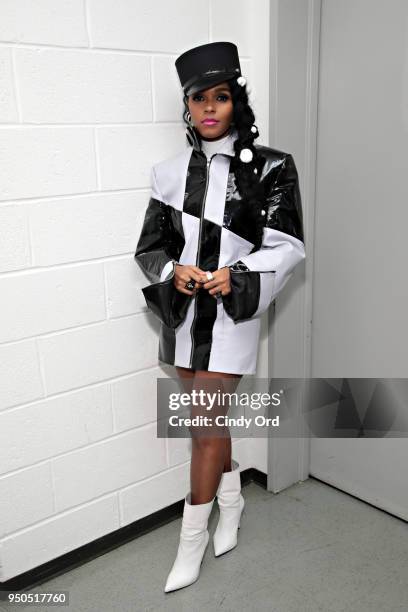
(185, 373)
(186, 377)
(230, 383)
(227, 453)
(211, 455)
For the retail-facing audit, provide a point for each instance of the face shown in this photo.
(211, 111)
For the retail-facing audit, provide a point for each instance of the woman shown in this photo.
(222, 234)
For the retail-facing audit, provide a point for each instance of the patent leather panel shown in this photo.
(239, 216)
(159, 242)
(166, 302)
(243, 300)
(195, 184)
(283, 204)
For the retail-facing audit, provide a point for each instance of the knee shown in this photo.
(208, 445)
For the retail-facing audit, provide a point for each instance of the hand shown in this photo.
(220, 283)
(182, 274)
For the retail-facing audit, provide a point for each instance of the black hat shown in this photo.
(207, 65)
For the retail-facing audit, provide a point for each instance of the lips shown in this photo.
(210, 121)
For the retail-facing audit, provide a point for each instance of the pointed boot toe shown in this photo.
(186, 568)
(193, 542)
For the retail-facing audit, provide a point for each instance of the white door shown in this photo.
(360, 288)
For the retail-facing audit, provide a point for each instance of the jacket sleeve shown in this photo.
(257, 278)
(154, 248)
(157, 253)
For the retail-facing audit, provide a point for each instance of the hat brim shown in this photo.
(210, 81)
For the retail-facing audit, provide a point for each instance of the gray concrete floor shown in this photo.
(308, 548)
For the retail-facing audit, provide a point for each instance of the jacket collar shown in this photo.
(228, 148)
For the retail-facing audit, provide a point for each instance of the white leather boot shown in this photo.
(231, 504)
(194, 538)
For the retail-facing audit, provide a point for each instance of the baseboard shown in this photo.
(108, 542)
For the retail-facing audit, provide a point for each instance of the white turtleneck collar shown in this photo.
(225, 144)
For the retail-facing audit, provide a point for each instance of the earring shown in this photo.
(188, 117)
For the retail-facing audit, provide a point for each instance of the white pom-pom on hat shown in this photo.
(246, 155)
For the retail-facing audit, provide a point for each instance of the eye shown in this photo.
(197, 96)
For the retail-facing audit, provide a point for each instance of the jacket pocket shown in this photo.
(166, 302)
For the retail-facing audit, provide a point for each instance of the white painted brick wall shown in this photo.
(90, 99)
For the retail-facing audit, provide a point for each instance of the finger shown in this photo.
(210, 284)
(215, 290)
(182, 289)
(197, 269)
(181, 285)
(186, 291)
(192, 274)
(198, 276)
(203, 273)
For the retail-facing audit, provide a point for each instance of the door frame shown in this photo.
(294, 71)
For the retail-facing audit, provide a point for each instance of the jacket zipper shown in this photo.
(198, 255)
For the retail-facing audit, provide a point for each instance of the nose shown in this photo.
(209, 106)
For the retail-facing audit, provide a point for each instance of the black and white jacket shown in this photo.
(196, 216)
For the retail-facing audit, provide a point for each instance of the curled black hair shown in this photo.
(247, 174)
